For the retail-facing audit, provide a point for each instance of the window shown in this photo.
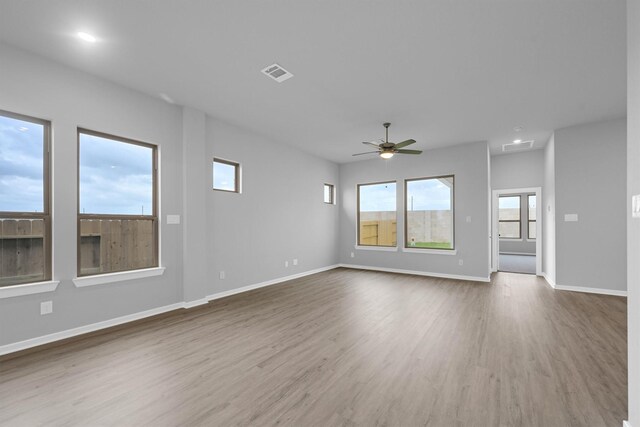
(117, 204)
(25, 218)
(429, 213)
(509, 217)
(531, 212)
(377, 214)
(329, 194)
(226, 176)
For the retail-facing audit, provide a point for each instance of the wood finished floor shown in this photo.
(344, 347)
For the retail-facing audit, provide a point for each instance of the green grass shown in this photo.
(432, 245)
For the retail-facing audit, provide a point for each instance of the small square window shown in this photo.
(226, 175)
(329, 196)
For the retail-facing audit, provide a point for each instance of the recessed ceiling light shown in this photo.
(86, 37)
(517, 141)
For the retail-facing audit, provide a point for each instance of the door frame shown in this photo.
(495, 239)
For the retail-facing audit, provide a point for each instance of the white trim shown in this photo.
(33, 342)
(57, 336)
(517, 253)
(550, 282)
(626, 424)
(591, 290)
(195, 303)
(119, 276)
(510, 239)
(495, 265)
(417, 273)
(599, 291)
(235, 291)
(431, 251)
(377, 248)
(28, 289)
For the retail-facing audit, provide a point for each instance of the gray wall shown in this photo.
(279, 216)
(549, 212)
(590, 178)
(470, 165)
(518, 170)
(633, 181)
(40, 88)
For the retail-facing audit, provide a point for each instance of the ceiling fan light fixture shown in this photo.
(386, 154)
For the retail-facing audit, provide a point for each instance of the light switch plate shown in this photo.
(635, 206)
(570, 217)
(173, 219)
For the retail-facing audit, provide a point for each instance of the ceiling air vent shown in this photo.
(277, 73)
(517, 146)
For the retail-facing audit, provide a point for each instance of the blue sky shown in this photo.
(430, 194)
(21, 166)
(115, 177)
(509, 202)
(224, 176)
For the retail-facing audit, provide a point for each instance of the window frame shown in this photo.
(45, 215)
(519, 221)
(154, 215)
(332, 198)
(236, 167)
(383, 247)
(529, 221)
(453, 213)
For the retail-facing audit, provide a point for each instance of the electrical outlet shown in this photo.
(460, 262)
(295, 261)
(222, 275)
(353, 255)
(468, 219)
(286, 264)
(46, 307)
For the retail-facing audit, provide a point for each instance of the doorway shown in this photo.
(516, 215)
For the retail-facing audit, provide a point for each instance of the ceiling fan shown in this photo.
(387, 149)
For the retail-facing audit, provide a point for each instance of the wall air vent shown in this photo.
(277, 73)
(517, 146)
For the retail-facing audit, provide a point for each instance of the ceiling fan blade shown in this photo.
(368, 152)
(409, 151)
(371, 143)
(405, 143)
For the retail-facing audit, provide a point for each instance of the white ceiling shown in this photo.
(443, 72)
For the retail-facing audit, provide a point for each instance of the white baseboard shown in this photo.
(230, 292)
(583, 289)
(418, 273)
(626, 424)
(57, 336)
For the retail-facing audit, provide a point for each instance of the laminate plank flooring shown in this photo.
(342, 348)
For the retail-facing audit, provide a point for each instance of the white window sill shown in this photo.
(120, 276)
(28, 289)
(377, 248)
(431, 251)
(509, 239)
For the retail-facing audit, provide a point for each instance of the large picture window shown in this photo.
(117, 209)
(509, 217)
(429, 214)
(25, 218)
(377, 217)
